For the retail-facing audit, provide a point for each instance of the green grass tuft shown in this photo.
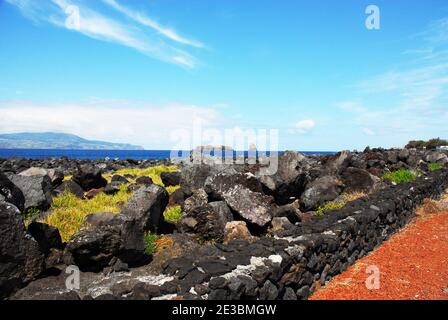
(173, 214)
(330, 206)
(69, 213)
(435, 166)
(400, 176)
(29, 214)
(153, 172)
(339, 204)
(151, 242)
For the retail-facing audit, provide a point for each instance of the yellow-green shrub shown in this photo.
(339, 204)
(68, 213)
(153, 172)
(173, 214)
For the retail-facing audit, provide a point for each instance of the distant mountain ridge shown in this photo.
(52, 140)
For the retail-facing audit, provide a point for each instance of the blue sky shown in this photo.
(138, 71)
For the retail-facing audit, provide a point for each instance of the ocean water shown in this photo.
(101, 154)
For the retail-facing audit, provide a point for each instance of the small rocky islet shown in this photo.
(153, 229)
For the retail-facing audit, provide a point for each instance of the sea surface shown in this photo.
(102, 154)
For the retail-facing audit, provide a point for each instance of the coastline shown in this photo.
(102, 154)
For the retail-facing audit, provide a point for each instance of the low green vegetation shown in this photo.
(30, 213)
(173, 214)
(340, 203)
(153, 172)
(330, 206)
(400, 176)
(68, 212)
(435, 166)
(151, 242)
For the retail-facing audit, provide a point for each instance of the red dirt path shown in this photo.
(413, 266)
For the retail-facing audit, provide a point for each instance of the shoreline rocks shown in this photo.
(258, 235)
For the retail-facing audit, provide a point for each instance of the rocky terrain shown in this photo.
(241, 234)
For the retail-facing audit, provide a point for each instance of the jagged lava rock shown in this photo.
(21, 261)
(37, 190)
(147, 206)
(243, 194)
(47, 237)
(56, 176)
(356, 179)
(209, 220)
(319, 191)
(69, 186)
(9, 192)
(170, 178)
(89, 177)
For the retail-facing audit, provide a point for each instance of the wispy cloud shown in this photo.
(151, 23)
(97, 25)
(304, 126)
(409, 100)
(437, 32)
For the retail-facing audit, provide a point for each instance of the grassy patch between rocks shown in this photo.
(30, 213)
(68, 212)
(151, 242)
(339, 204)
(400, 176)
(173, 214)
(435, 166)
(153, 172)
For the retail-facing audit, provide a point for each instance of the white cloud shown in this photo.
(98, 26)
(141, 124)
(304, 126)
(148, 22)
(368, 131)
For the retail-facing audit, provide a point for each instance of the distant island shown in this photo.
(52, 140)
(212, 148)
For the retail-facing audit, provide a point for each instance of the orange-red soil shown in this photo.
(413, 265)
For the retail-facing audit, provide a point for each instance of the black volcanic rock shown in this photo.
(117, 179)
(69, 186)
(9, 192)
(37, 190)
(145, 180)
(21, 259)
(92, 250)
(356, 179)
(243, 194)
(320, 191)
(147, 206)
(47, 236)
(56, 176)
(170, 178)
(208, 221)
(89, 177)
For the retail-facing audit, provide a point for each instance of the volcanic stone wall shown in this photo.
(293, 263)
